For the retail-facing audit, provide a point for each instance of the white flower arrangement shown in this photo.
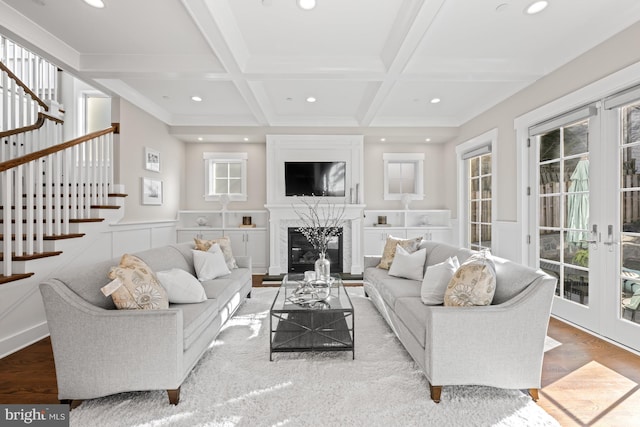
(321, 222)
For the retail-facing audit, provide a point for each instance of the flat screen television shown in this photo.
(314, 178)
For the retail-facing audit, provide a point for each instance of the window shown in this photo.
(479, 204)
(403, 174)
(225, 173)
(476, 202)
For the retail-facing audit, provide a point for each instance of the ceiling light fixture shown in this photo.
(427, 140)
(200, 138)
(196, 98)
(311, 99)
(306, 4)
(536, 7)
(95, 3)
(383, 139)
(435, 100)
(246, 139)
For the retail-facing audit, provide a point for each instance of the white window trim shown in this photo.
(209, 158)
(418, 159)
(489, 138)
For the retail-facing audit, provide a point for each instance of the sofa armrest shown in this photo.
(371, 261)
(501, 345)
(91, 345)
(243, 262)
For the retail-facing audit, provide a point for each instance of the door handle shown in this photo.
(610, 242)
(594, 235)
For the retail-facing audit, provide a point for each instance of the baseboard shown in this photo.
(23, 339)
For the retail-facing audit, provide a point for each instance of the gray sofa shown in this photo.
(99, 350)
(500, 345)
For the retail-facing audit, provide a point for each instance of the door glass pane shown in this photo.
(563, 205)
(475, 167)
(486, 164)
(629, 234)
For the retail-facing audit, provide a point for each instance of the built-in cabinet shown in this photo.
(379, 224)
(246, 239)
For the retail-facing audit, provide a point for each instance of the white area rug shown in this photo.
(235, 384)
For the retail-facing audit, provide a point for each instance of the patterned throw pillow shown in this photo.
(225, 245)
(140, 288)
(474, 283)
(410, 245)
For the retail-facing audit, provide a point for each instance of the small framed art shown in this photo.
(151, 159)
(151, 191)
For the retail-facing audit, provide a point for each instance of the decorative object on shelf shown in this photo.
(405, 199)
(202, 221)
(151, 159)
(425, 220)
(246, 220)
(382, 219)
(224, 201)
(322, 221)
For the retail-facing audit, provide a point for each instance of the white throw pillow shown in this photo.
(181, 286)
(210, 264)
(408, 265)
(436, 279)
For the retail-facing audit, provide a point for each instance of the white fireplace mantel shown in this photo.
(282, 209)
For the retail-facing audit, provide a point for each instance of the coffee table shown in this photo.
(311, 326)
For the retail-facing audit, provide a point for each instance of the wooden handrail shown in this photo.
(38, 124)
(10, 164)
(24, 86)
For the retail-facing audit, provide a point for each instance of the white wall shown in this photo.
(137, 131)
(614, 54)
(373, 175)
(194, 176)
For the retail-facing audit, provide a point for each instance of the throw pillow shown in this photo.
(210, 264)
(436, 279)
(140, 288)
(408, 265)
(474, 283)
(225, 245)
(411, 245)
(181, 286)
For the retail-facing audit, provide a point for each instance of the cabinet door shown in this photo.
(238, 241)
(258, 248)
(374, 240)
(442, 236)
(189, 235)
(418, 232)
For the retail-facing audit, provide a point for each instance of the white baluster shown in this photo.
(29, 184)
(19, 203)
(7, 189)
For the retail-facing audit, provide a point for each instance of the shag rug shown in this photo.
(235, 384)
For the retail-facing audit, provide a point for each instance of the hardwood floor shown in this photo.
(585, 381)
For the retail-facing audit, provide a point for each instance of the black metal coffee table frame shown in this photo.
(323, 326)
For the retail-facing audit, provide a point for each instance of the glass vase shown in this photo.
(323, 268)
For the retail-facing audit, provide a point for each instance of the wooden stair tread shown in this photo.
(71, 221)
(54, 237)
(32, 256)
(14, 277)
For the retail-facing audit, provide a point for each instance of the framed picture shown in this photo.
(151, 159)
(151, 191)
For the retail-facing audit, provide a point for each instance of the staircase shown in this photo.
(51, 191)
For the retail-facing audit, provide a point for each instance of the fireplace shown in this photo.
(302, 256)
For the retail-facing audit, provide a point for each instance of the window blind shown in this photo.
(624, 97)
(478, 151)
(573, 116)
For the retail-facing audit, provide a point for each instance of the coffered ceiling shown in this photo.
(373, 66)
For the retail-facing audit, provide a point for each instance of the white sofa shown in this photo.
(99, 350)
(500, 345)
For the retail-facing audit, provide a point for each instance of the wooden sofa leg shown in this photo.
(73, 404)
(533, 392)
(174, 396)
(249, 294)
(436, 391)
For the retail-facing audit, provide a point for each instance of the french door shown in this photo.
(585, 205)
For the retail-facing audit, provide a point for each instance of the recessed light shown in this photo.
(200, 138)
(311, 99)
(306, 4)
(427, 140)
(196, 98)
(246, 139)
(435, 100)
(95, 3)
(383, 139)
(536, 7)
